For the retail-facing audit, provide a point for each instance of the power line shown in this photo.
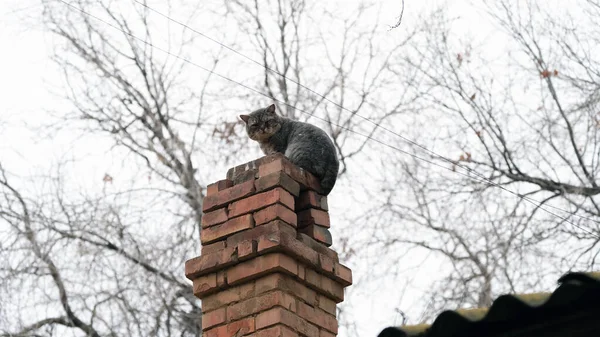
(355, 113)
(484, 180)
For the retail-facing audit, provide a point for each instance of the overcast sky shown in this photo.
(28, 78)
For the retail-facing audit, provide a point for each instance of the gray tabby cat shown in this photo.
(303, 144)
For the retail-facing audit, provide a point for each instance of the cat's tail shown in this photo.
(329, 178)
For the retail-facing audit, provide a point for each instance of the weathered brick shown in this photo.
(299, 250)
(332, 289)
(218, 186)
(269, 242)
(221, 279)
(275, 212)
(282, 316)
(324, 285)
(318, 233)
(278, 179)
(276, 226)
(261, 265)
(206, 263)
(327, 305)
(248, 175)
(313, 216)
(301, 176)
(326, 263)
(205, 284)
(318, 317)
(325, 333)
(287, 284)
(251, 165)
(227, 196)
(214, 218)
(261, 200)
(212, 318)
(317, 246)
(225, 297)
(342, 274)
(213, 247)
(246, 249)
(275, 331)
(232, 329)
(223, 230)
(301, 272)
(310, 199)
(261, 303)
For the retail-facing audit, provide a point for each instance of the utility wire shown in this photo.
(484, 180)
(355, 113)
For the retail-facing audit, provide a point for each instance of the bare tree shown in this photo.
(79, 266)
(338, 73)
(110, 263)
(524, 122)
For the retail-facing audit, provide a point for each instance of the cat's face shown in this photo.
(262, 123)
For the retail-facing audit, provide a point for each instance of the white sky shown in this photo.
(27, 76)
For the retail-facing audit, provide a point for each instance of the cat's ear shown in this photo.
(271, 108)
(245, 118)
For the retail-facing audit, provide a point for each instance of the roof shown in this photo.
(573, 309)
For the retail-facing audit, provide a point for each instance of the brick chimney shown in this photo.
(265, 269)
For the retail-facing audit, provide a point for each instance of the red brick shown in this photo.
(287, 284)
(318, 317)
(286, 242)
(301, 272)
(318, 233)
(225, 297)
(310, 199)
(275, 212)
(206, 263)
(276, 226)
(282, 316)
(326, 263)
(205, 284)
(261, 265)
(300, 251)
(227, 196)
(317, 246)
(221, 231)
(212, 318)
(232, 329)
(261, 303)
(303, 177)
(213, 247)
(261, 200)
(327, 305)
(313, 216)
(325, 285)
(246, 249)
(221, 279)
(342, 274)
(218, 186)
(275, 331)
(332, 289)
(248, 175)
(313, 278)
(278, 179)
(325, 333)
(269, 242)
(252, 165)
(214, 218)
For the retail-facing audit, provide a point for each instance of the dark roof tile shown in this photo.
(575, 301)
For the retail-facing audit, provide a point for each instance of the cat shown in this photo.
(305, 145)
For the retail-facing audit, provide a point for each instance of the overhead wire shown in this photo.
(355, 113)
(481, 178)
